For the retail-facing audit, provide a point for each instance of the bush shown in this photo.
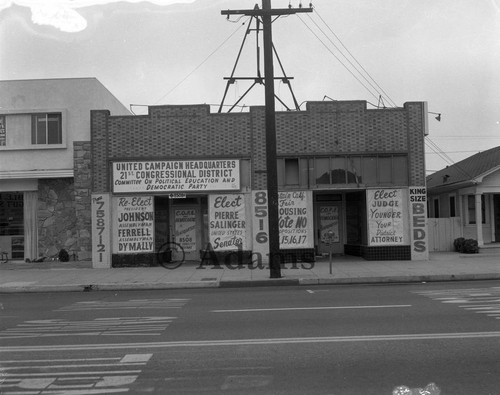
(63, 256)
(459, 244)
(466, 246)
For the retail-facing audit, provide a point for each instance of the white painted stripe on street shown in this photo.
(240, 342)
(313, 308)
(83, 373)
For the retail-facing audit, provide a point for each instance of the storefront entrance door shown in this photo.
(187, 230)
(329, 228)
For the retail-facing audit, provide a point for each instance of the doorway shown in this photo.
(183, 221)
(329, 228)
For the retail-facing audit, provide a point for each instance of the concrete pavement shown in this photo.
(79, 276)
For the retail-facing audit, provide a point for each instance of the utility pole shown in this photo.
(266, 13)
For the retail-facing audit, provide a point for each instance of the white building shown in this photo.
(41, 125)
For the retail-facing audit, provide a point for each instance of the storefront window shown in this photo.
(292, 171)
(338, 170)
(385, 169)
(11, 214)
(370, 170)
(400, 170)
(322, 167)
(354, 170)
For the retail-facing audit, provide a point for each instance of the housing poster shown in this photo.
(185, 228)
(176, 176)
(295, 219)
(227, 219)
(134, 225)
(385, 216)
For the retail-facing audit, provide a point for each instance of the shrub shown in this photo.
(470, 246)
(458, 244)
(466, 246)
(63, 256)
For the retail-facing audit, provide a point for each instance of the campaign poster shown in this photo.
(329, 224)
(185, 228)
(227, 218)
(295, 219)
(133, 225)
(385, 216)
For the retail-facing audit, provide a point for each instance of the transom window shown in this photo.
(46, 128)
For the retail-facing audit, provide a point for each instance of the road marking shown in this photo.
(97, 327)
(75, 376)
(241, 342)
(389, 306)
(126, 305)
(478, 300)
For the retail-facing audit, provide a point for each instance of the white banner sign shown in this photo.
(101, 230)
(418, 224)
(295, 219)
(176, 176)
(134, 225)
(385, 216)
(227, 222)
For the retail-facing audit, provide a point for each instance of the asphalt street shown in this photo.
(338, 340)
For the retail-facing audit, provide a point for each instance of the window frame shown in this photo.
(39, 137)
(18, 135)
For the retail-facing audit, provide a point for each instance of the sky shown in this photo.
(386, 52)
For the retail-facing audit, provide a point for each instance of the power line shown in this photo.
(205, 60)
(338, 59)
(377, 87)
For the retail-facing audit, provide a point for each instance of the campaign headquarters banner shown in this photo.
(176, 176)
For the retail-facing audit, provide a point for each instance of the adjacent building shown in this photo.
(44, 137)
(467, 194)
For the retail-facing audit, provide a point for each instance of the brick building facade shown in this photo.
(350, 181)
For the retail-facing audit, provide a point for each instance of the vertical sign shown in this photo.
(385, 216)
(134, 225)
(418, 224)
(185, 228)
(295, 219)
(3, 133)
(101, 231)
(329, 224)
(227, 222)
(260, 226)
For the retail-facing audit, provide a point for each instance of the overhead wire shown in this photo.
(362, 73)
(354, 58)
(202, 63)
(336, 57)
(434, 147)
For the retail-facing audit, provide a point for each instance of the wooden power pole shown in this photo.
(266, 14)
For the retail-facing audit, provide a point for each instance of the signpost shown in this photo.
(329, 239)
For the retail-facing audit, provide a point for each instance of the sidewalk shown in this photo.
(79, 276)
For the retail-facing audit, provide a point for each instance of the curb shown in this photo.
(249, 283)
(258, 283)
